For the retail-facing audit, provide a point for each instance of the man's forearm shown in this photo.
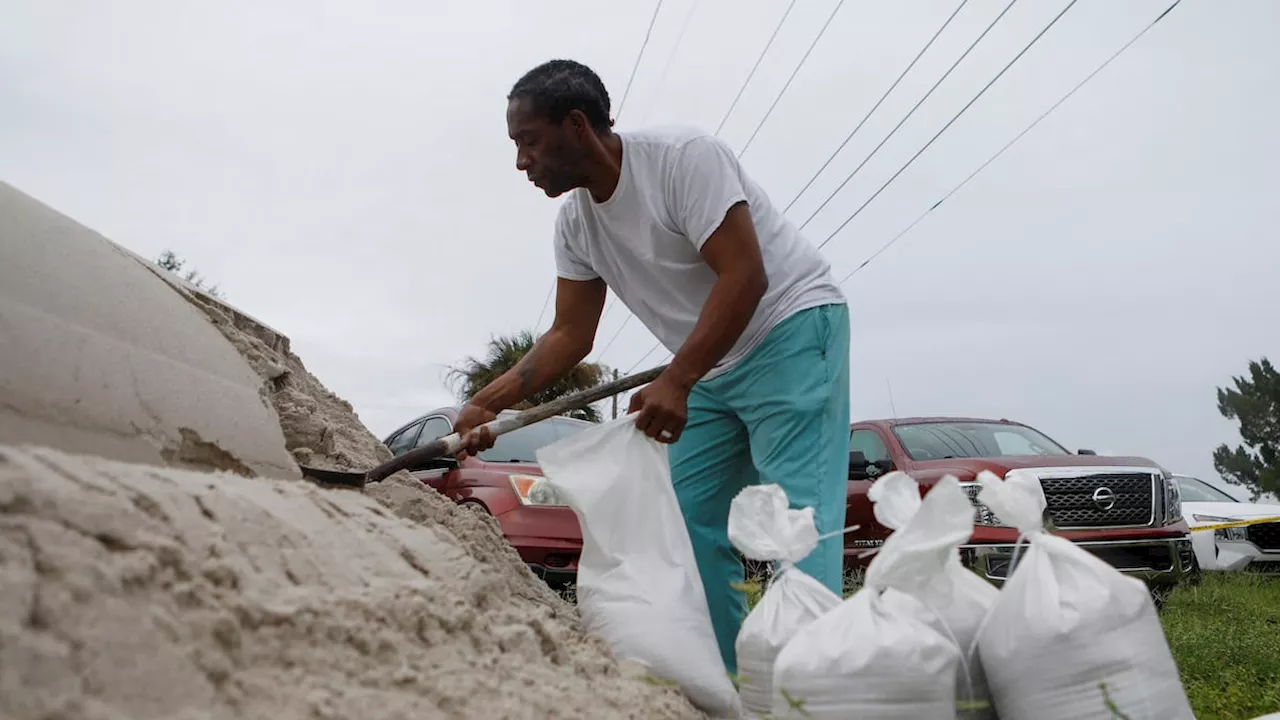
(553, 355)
(726, 314)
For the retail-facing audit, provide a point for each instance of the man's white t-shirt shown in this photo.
(644, 241)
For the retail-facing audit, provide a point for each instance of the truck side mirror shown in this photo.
(1083, 451)
(858, 465)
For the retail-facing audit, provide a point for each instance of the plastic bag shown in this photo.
(879, 653)
(763, 527)
(638, 584)
(1070, 636)
(959, 598)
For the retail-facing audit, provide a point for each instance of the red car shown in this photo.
(506, 483)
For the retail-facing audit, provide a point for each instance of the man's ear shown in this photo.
(579, 125)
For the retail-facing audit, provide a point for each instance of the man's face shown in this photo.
(551, 154)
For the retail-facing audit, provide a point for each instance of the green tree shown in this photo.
(503, 353)
(170, 261)
(1255, 402)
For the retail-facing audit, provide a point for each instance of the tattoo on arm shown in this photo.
(527, 370)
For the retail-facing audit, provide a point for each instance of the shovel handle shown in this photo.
(450, 444)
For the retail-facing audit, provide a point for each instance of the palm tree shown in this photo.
(503, 353)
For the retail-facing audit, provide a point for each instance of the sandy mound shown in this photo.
(322, 430)
(136, 592)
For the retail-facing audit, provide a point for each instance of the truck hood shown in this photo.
(968, 468)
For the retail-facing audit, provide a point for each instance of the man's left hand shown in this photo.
(664, 408)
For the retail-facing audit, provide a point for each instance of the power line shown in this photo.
(639, 56)
(891, 87)
(794, 72)
(615, 337)
(1011, 143)
(755, 67)
(666, 68)
(550, 291)
(875, 107)
(643, 358)
(969, 104)
(906, 117)
(625, 92)
(760, 58)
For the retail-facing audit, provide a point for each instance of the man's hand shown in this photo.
(664, 408)
(470, 425)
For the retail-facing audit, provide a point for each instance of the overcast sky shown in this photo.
(342, 171)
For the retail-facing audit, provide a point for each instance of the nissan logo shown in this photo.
(1104, 498)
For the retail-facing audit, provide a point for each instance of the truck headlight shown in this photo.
(534, 490)
(982, 514)
(1172, 500)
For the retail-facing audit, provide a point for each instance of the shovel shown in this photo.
(450, 444)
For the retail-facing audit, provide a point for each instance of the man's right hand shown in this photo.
(470, 425)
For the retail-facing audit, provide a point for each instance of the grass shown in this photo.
(1225, 637)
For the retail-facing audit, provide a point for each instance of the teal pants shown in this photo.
(781, 415)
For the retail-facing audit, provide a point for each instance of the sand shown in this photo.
(136, 591)
(129, 591)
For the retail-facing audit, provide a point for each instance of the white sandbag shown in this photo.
(1070, 636)
(638, 584)
(879, 654)
(763, 527)
(959, 597)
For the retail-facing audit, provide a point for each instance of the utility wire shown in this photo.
(725, 119)
(550, 291)
(666, 68)
(755, 67)
(615, 336)
(794, 72)
(625, 92)
(693, 7)
(643, 358)
(968, 105)
(1011, 143)
(906, 117)
(784, 89)
(639, 56)
(875, 107)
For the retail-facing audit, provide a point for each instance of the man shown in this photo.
(758, 388)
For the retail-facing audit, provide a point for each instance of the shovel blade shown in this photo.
(333, 477)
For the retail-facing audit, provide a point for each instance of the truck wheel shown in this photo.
(476, 508)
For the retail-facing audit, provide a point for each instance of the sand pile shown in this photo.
(131, 591)
(322, 430)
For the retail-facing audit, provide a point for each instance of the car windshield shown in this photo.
(941, 440)
(522, 445)
(1194, 490)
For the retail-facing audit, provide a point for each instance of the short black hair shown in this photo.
(558, 86)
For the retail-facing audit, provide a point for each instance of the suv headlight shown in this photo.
(1235, 534)
(1172, 500)
(534, 490)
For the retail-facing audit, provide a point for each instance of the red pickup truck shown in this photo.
(1125, 510)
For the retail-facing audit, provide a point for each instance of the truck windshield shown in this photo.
(941, 440)
(521, 446)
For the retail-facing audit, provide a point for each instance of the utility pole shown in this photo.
(615, 397)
